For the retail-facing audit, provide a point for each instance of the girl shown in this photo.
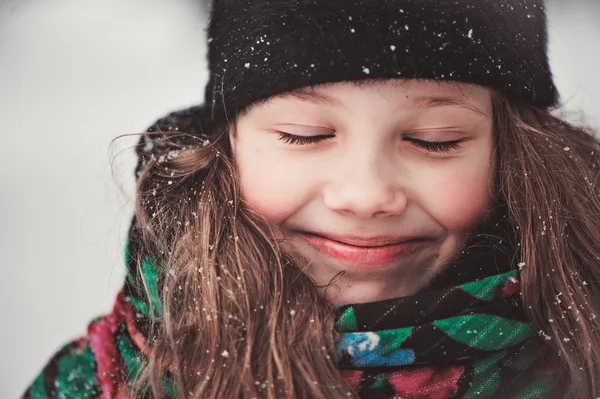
(374, 201)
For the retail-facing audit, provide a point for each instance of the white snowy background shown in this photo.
(74, 75)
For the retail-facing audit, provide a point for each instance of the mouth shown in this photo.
(367, 242)
(373, 252)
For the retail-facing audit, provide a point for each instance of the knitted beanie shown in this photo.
(261, 48)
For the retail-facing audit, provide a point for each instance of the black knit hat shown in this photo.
(260, 48)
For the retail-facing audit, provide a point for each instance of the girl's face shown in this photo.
(378, 185)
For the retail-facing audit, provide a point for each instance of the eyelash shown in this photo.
(432, 146)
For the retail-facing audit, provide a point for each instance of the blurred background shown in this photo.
(74, 75)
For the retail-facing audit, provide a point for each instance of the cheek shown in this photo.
(271, 186)
(459, 198)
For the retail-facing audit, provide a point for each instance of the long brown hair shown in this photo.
(242, 320)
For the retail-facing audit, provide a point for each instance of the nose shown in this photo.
(365, 186)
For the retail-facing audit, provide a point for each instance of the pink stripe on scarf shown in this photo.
(101, 335)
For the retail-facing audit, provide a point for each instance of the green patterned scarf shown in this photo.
(421, 347)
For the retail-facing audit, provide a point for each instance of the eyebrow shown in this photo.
(312, 96)
(442, 101)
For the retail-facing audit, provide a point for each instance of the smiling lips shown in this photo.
(373, 252)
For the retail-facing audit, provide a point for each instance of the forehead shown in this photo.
(411, 88)
(409, 94)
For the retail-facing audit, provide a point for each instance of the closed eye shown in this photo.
(436, 146)
(303, 140)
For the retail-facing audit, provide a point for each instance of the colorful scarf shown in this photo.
(420, 347)
(464, 336)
